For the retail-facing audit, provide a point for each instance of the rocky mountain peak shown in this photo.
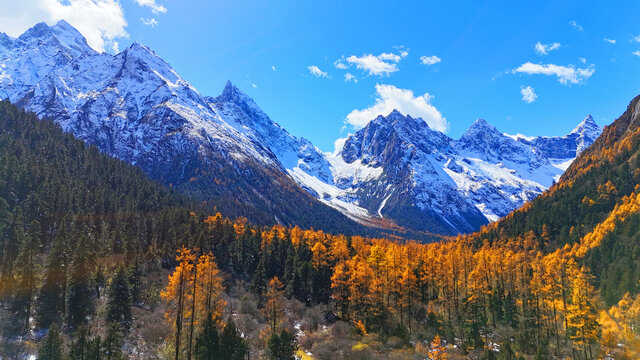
(481, 128)
(588, 125)
(232, 94)
(66, 36)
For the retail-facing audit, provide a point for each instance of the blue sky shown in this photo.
(480, 59)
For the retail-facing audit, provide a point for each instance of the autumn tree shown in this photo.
(582, 315)
(176, 293)
(273, 307)
(437, 349)
(340, 289)
(209, 300)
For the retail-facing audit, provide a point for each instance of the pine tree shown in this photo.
(83, 347)
(26, 271)
(79, 297)
(113, 342)
(232, 345)
(208, 342)
(51, 299)
(135, 281)
(282, 346)
(99, 280)
(119, 299)
(51, 347)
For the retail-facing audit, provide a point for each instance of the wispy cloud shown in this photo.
(610, 41)
(380, 65)
(528, 94)
(152, 5)
(149, 22)
(575, 25)
(429, 60)
(391, 98)
(565, 74)
(350, 77)
(636, 53)
(315, 71)
(544, 49)
(273, 68)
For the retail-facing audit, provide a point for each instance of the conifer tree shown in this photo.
(119, 299)
(113, 342)
(281, 346)
(51, 299)
(26, 272)
(80, 345)
(232, 345)
(208, 341)
(51, 347)
(79, 297)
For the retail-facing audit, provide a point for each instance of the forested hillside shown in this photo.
(109, 265)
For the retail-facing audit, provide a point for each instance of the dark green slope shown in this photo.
(588, 191)
(46, 172)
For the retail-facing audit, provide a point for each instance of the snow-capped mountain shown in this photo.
(225, 150)
(396, 167)
(135, 107)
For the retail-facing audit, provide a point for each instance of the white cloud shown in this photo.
(381, 65)
(315, 71)
(430, 60)
(340, 65)
(273, 68)
(528, 94)
(576, 25)
(636, 53)
(565, 74)
(389, 98)
(582, 60)
(350, 77)
(390, 56)
(254, 85)
(338, 145)
(544, 49)
(374, 65)
(152, 5)
(100, 21)
(610, 41)
(149, 22)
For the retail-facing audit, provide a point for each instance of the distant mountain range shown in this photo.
(395, 172)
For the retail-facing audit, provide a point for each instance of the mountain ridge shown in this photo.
(225, 149)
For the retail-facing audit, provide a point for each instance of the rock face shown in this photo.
(225, 150)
